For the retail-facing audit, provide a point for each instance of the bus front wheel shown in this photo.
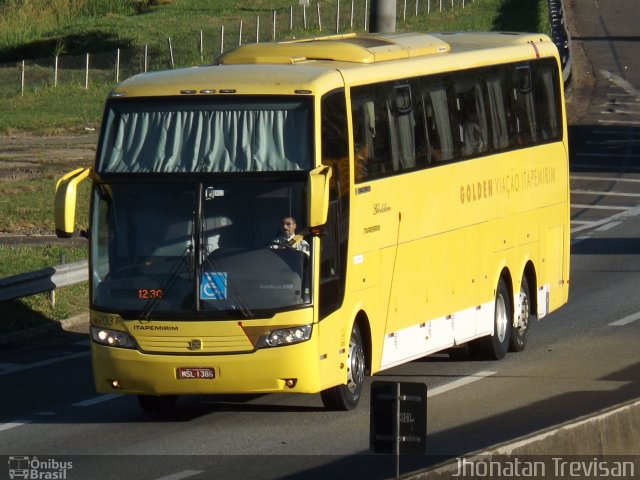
(346, 397)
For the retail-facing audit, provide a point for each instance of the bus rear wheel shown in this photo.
(520, 332)
(157, 404)
(495, 346)
(347, 397)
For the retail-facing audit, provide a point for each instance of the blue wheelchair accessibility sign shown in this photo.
(213, 286)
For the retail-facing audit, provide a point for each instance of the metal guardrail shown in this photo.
(45, 280)
(561, 37)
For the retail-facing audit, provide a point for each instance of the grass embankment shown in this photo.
(44, 28)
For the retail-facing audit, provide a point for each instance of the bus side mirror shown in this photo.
(65, 201)
(318, 195)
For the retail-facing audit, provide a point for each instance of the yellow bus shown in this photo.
(304, 213)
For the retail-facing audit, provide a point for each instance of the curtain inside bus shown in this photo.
(170, 138)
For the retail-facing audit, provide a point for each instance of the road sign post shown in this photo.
(398, 419)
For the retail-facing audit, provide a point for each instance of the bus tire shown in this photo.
(519, 334)
(347, 397)
(157, 404)
(495, 347)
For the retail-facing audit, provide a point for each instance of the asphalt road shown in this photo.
(581, 359)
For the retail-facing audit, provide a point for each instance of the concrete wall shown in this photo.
(612, 435)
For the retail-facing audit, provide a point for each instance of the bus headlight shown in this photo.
(111, 338)
(285, 336)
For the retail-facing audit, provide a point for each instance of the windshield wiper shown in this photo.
(167, 283)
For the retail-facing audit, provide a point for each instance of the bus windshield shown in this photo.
(206, 134)
(167, 249)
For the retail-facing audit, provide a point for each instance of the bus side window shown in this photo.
(438, 123)
(370, 115)
(363, 132)
(498, 113)
(472, 120)
(523, 106)
(334, 240)
(335, 138)
(421, 134)
(382, 163)
(545, 97)
(402, 128)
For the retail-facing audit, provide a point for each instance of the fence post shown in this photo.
(171, 54)
(55, 72)
(86, 75)
(146, 57)
(351, 19)
(366, 15)
(221, 39)
(273, 36)
(22, 80)
(319, 18)
(258, 29)
(291, 18)
(118, 65)
(304, 15)
(240, 34)
(201, 47)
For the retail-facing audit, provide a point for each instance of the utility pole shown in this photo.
(383, 16)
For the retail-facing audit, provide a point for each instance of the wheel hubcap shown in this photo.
(524, 311)
(355, 366)
(501, 319)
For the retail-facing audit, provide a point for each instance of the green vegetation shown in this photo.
(26, 204)
(65, 109)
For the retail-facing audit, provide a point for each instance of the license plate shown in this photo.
(195, 373)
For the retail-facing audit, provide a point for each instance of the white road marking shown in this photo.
(626, 320)
(99, 399)
(607, 154)
(608, 226)
(20, 368)
(459, 383)
(14, 424)
(599, 207)
(621, 82)
(609, 194)
(628, 213)
(605, 179)
(602, 166)
(181, 475)
(8, 366)
(618, 122)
